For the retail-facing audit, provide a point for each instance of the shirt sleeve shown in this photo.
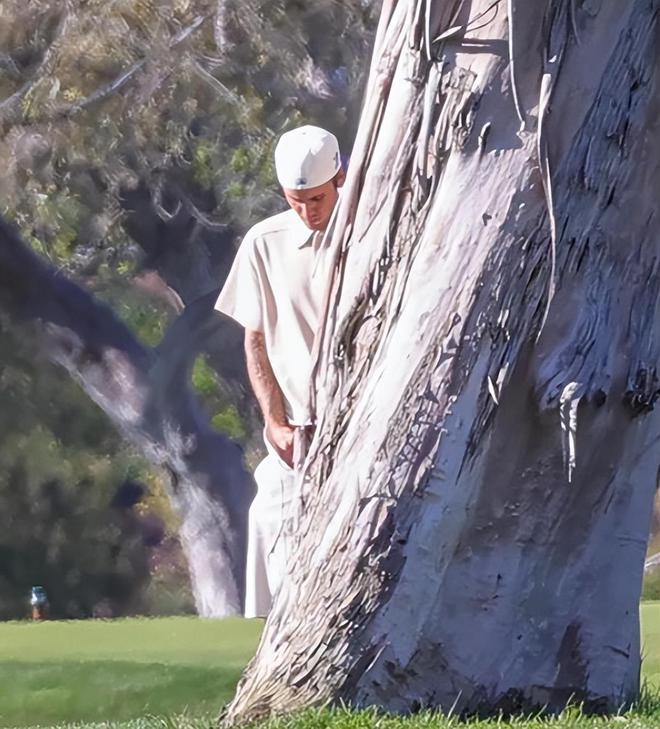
(241, 297)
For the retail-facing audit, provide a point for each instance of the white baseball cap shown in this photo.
(306, 157)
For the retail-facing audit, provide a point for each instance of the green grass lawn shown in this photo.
(129, 672)
(650, 615)
(96, 670)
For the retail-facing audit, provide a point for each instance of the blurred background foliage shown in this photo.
(68, 495)
(181, 98)
(136, 142)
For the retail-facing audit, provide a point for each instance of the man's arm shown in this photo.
(269, 395)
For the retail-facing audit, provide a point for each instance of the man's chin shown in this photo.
(316, 226)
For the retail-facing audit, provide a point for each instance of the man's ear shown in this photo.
(340, 178)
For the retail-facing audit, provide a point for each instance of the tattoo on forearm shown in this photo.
(267, 391)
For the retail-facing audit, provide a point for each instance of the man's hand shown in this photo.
(280, 437)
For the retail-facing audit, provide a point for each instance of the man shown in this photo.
(276, 290)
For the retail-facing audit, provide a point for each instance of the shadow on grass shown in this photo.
(52, 692)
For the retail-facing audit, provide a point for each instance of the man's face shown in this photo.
(315, 205)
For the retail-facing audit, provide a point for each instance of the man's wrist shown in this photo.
(276, 421)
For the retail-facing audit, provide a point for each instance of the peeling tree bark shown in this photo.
(473, 522)
(147, 395)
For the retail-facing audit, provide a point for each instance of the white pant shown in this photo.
(268, 540)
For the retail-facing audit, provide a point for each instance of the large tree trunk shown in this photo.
(473, 523)
(148, 397)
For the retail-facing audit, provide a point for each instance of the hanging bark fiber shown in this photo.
(474, 518)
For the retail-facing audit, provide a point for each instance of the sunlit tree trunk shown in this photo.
(473, 523)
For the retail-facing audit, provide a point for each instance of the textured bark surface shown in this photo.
(147, 395)
(474, 517)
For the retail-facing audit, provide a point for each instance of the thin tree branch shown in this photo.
(69, 110)
(213, 82)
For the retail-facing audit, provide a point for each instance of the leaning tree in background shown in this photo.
(146, 394)
(473, 522)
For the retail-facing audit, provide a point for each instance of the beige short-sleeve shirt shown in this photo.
(277, 285)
